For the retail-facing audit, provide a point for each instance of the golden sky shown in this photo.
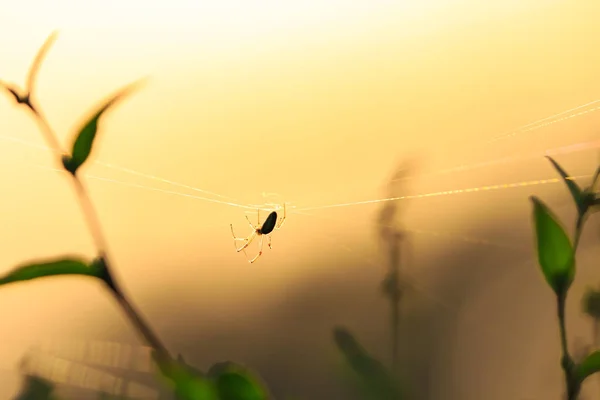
(315, 101)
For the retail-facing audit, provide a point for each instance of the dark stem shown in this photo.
(578, 229)
(395, 240)
(91, 217)
(562, 327)
(142, 326)
(595, 335)
(95, 229)
(48, 133)
(566, 362)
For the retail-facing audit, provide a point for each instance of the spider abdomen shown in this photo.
(269, 224)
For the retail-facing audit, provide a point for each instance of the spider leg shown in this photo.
(260, 246)
(233, 233)
(249, 240)
(282, 220)
(269, 242)
(251, 224)
(235, 237)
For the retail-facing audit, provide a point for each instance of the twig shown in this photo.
(95, 229)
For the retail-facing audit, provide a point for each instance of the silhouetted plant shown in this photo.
(374, 380)
(230, 382)
(556, 257)
(396, 240)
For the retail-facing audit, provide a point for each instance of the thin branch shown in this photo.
(87, 206)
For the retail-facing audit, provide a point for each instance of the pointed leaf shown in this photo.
(82, 147)
(571, 184)
(589, 366)
(554, 249)
(64, 266)
(234, 382)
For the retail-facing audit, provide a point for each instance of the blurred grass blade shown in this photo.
(234, 382)
(64, 266)
(37, 62)
(574, 188)
(186, 382)
(82, 147)
(589, 366)
(375, 378)
(554, 249)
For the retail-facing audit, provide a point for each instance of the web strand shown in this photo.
(572, 148)
(541, 123)
(577, 147)
(447, 192)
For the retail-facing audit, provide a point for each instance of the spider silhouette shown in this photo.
(260, 230)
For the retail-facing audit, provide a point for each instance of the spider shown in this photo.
(265, 229)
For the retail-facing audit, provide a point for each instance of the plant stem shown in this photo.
(91, 217)
(566, 362)
(562, 327)
(95, 229)
(142, 326)
(595, 333)
(46, 130)
(395, 244)
(578, 229)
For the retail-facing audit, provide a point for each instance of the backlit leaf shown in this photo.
(573, 187)
(554, 249)
(64, 266)
(234, 382)
(589, 366)
(82, 147)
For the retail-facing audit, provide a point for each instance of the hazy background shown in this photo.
(317, 101)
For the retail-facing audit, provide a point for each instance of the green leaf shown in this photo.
(187, 382)
(554, 249)
(375, 379)
(589, 366)
(82, 147)
(190, 368)
(35, 388)
(234, 382)
(574, 188)
(108, 396)
(63, 266)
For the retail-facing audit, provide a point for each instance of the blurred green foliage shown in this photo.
(556, 257)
